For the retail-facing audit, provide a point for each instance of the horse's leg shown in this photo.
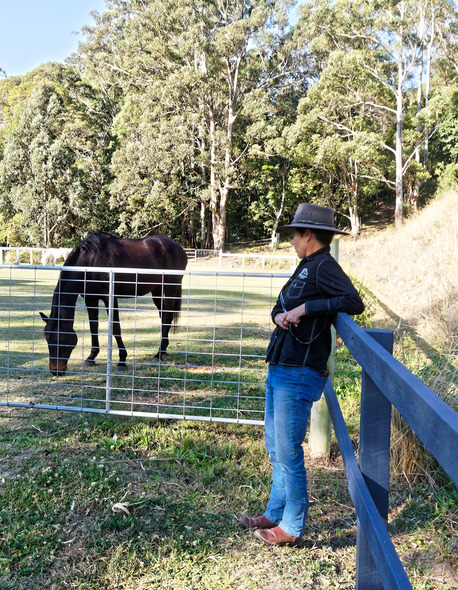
(117, 334)
(92, 306)
(165, 306)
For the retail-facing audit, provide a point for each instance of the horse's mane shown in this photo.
(94, 243)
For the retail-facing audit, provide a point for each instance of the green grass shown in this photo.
(182, 484)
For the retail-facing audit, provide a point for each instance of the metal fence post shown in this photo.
(320, 420)
(110, 339)
(374, 462)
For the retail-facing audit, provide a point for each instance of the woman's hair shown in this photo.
(322, 235)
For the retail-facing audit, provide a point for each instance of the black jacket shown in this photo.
(322, 285)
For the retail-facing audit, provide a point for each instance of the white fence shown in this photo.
(194, 254)
(25, 255)
(215, 369)
(17, 255)
(30, 256)
(290, 261)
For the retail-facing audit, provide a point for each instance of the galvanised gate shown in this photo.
(215, 368)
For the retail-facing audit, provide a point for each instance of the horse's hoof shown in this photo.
(161, 354)
(88, 363)
(157, 360)
(121, 368)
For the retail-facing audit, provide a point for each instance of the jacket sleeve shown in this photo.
(277, 308)
(338, 292)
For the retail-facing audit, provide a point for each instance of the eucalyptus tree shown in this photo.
(270, 165)
(444, 146)
(333, 136)
(438, 64)
(197, 80)
(369, 52)
(51, 162)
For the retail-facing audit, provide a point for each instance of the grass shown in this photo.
(105, 502)
(93, 502)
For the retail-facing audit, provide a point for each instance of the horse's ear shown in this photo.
(43, 316)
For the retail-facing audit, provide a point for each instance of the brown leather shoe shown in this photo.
(259, 522)
(276, 536)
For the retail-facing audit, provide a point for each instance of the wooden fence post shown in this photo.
(320, 420)
(374, 462)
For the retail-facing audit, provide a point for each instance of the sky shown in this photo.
(33, 32)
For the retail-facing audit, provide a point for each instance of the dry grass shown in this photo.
(411, 275)
(412, 271)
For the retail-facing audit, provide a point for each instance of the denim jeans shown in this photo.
(290, 392)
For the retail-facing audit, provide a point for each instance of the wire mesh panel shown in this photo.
(214, 368)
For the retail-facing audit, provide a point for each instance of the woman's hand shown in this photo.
(290, 317)
(280, 320)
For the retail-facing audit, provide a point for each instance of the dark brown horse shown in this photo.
(104, 250)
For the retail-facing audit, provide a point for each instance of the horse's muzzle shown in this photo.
(58, 368)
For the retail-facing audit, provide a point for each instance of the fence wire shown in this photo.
(214, 370)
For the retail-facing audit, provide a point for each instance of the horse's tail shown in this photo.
(176, 307)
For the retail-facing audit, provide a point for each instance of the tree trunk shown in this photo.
(355, 220)
(213, 189)
(203, 229)
(416, 187)
(279, 211)
(184, 229)
(428, 88)
(208, 233)
(398, 211)
(219, 220)
(47, 233)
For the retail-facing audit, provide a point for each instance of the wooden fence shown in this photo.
(385, 383)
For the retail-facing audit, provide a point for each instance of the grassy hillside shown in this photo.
(412, 271)
(411, 279)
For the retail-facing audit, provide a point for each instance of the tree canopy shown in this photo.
(210, 121)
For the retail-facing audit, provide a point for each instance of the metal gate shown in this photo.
(215, 369)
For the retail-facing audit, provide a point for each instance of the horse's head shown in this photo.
(61, 339)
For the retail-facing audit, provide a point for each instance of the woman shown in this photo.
(297, 355)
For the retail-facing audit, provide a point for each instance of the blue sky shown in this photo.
(33, 32)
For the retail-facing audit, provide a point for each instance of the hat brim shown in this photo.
(312, 226)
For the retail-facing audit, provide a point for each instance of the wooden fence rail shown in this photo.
(385, 383)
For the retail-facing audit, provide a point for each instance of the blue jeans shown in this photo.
(290, 392)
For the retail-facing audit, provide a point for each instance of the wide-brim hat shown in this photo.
(310, 216)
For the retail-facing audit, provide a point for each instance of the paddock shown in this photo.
(215, 369)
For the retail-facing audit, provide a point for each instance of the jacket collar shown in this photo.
(324, 250)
